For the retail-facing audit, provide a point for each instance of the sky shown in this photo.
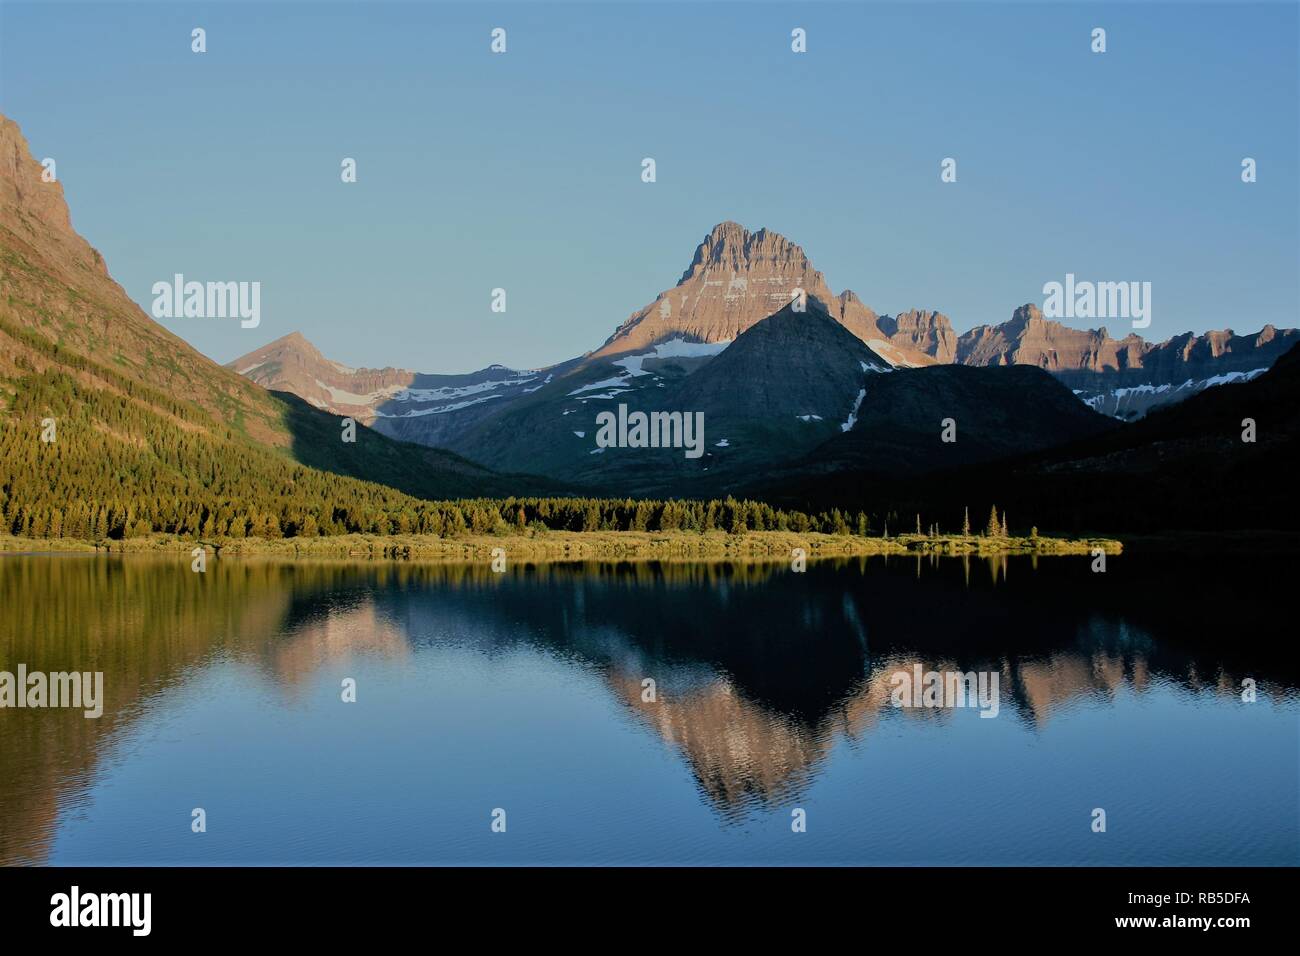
(522, 170)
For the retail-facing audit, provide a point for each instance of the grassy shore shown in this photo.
(579, 546)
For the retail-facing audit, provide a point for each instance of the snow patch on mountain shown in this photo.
(1228, 377)
(439, 409)
(604, 383)
(673, 348)
(632, 366)
(853, 415)
(450, 391)
(1135, 400)
(611, 394)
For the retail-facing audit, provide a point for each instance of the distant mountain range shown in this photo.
(1124, 378)
(782, 368)
(738, 278)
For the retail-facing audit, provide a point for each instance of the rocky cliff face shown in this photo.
(1219, 350)
(36, 209)
(922, 331)
(736, 279)
(1124, 378)
(1029, 339)
(1177, 369)
(292, 364)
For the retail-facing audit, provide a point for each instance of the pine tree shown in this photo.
(965, 523)
(994, 527)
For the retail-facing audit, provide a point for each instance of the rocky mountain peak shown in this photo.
(1027, 314)
(730, 245)
(736, 279)
(295, 341)
(22, 185)
(925, 331)
(35, 209)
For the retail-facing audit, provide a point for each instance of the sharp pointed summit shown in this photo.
(736, 279)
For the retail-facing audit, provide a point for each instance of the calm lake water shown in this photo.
(523, 691)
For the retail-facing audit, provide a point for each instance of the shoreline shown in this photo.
(578, 546)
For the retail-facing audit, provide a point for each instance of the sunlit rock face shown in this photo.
(736, 279)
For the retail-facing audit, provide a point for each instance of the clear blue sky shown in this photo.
(523, 170)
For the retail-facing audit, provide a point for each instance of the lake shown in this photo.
(773, 693)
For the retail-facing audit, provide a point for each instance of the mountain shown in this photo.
(148, 434)
(292, 364)
(770, 387)
(736, 279)
(1183, 467)
(795, 367)
(782, 387)
(1123, 378)
(995, 413)
(1179, 368)
(524, 419)
(1186, 466)
(1029, 339)
(923, 331)
(432, 410)
(57, 287)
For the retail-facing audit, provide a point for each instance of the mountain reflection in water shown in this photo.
(764, 680)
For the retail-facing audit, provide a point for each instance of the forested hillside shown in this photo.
(110, 425)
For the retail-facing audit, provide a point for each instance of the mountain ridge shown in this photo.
(735, 279)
